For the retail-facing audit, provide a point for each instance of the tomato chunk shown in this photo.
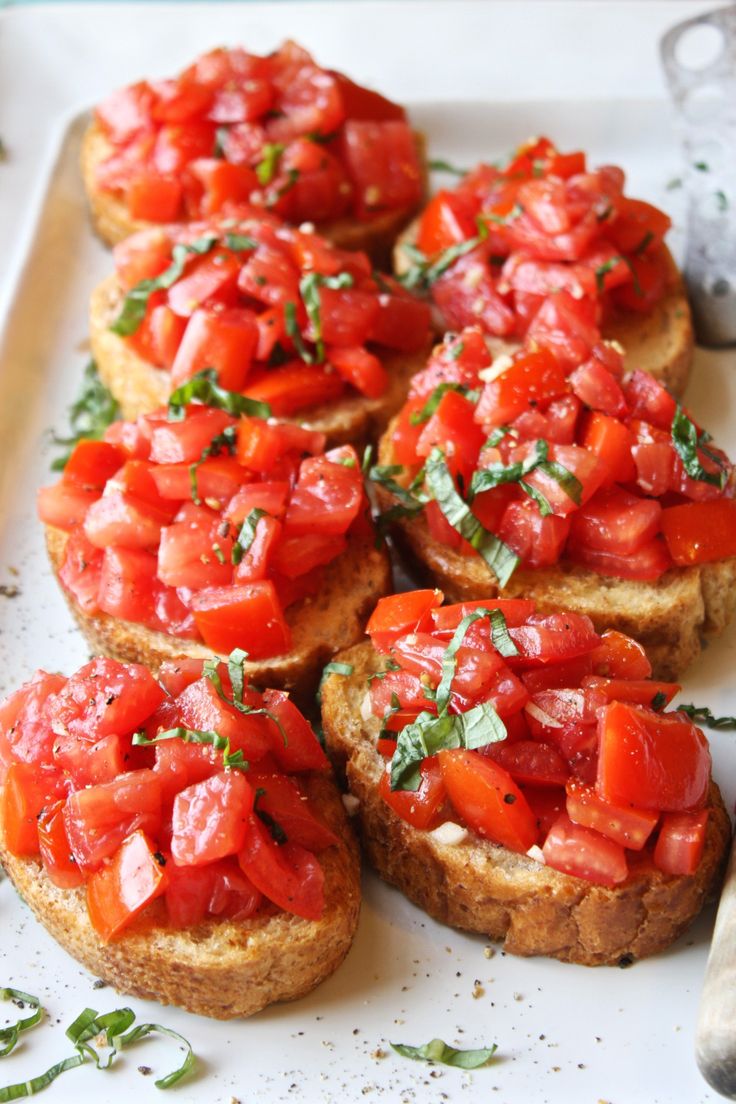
(287, 874)
(488, 799)
(118, 892)
(680, 842)
(623, 824)
(209, 819)
(584, 853)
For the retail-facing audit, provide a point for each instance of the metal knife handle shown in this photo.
(715, 1037)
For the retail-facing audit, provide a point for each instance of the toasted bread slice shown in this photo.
(668, 617)
(139, 387)
(660, 342)
(482, 887)
(110, 218)
(320, 625)
(219, 968)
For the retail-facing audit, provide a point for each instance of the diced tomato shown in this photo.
(270, 496)
(612, 442)
(488, 799)
(218, 889)
(87, 762)
(200, 707)
(53, 844)
(118, 892)
(27, 789)
(64, 505)
(638, 691)
(359, 368)
(558, 676)
(187, 556)
(420, 654)
(126, 111)
(328, 494)
(651, 761)
(293, 742)
(183, 442)
(619, 657)
(209, 819)
(537, 540)
(248, 616)
(261, 444)
(553, 637)
(700, 532)
(399, 614)
(448, 218)
(647, 564)
(402, 323)
(98, 818)
(533, 378)
(280, 804)
(598, 388)
(128, 585)
(25, 733)
(624, 824)
(105, 698)
(424, 807)
(92, 463)
(81, 570)
(382, 162)
(680, 842)
(410, 690)
(153, 197)
(584, 853)
(649, 400)
(616, 521)
(224, 341)
(530, 762)
(288, 875)
(212, 184)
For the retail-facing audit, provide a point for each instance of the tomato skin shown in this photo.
(118, 892)
(532, 377)
(398, 614)
(247, 616)
(382, 163)
(680, 842)
(619, 657)
(26, 791)
(280, 798)
(64, 506)
(294, 387)
(616, 521)
(92, 463)
(624, 824)
(104, 698)
(530, 762)
(700, 532)
(25, 734)
(209, 819)
(638, 691)
(218, 889)
(553, 637)
(612, 442)
(53, 845)
(447, 219)
(584, 853)
(480, 790)
(300, 750)
(422, 808)
(98, 818)
(651, 761)
(153, 197)
(328, 494)
(647, 564)
(225, 341)
(288, 875)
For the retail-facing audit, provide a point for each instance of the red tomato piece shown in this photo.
(537, 540)
(88, 763)
(248, 616)
(153, 197)
(648, 563)
(612, 443)
(25, 732)
(295, 386)
(680, 842)
(624, 824)
(187, 556)
(294, 744)
(399, 614)
(401, 323)
(262, 444)
(211, 277)
(584, 853)
(638, 691)
(282, 802)
(81, 570)
(222, 340)
(64, 505)
(118, 892)
(448, 218)
(359, 368)
(652, 761)
(382, 162)
(129, 586)
(183, 442)
(616, 521)
(700, 532)
(209, 819)
(530, 762)
(619, 657)
(219, 889)
(126, 111)
(488, 799)
(92, 463)
(553, 637)
(27, 789)
(534, 378)
(200, 707)
(328, 495)
(105, 698)
(98, 818)
(53, 844)
(423, 808)
(288, 875)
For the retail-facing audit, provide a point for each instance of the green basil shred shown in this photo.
(439, 165)
(701, 714)
(93, 410)
(420, 416)
(247, 534)
(204, 388)
(9, 1035)
(135, 304)
(485, 479)
(439, 1051)
(686, 442)
(232, 760)
(268, 166)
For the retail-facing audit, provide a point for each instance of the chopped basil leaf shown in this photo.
(434, 400)
(382, 283)
(449, 659)
(93, 410)
(721, 200)
(439, 1051)
(438, 165)
(3, 151)
(645, 242)
(268, 166)
(89, 1024)
(422, 273)
(292, 329)
(500, 638)
(383, 475)
(365, 463)
(142, 1030)
(494, 475)
(607, 266)
(659, 701)
(278, 835)
(429, 734)
(500, 558)
(231, 760)
(701, 166)
(456, 350)
(135, 303)
(701, 714)
(675, 182)
(36, 1084)
(686, 442)
(309, 286)
(239, 243)
(246, 535)
(204, 388)
(504, 220)
(235, 662)
(332, 668)
(498, 435)
(221, 442)
(9, 1035)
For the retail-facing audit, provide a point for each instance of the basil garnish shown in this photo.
(501, 559)
(600, 272)
(292, 329)
(658, 702)
(236, 659)
(232, 760)
(9, 1035)
(36, 1084)
(449, 659)
(333, 668)
(90, 414)
(439, 165)
(268, 166)
(439, 1051)
(429, 734)
(434, 400)
(203, 387)
(485, 479)
(278, 834)
(239, 243)
(135, 304)
(701, 714)
(247, 534)
(422, 273)
(309, 286)
(686, 441)
(500, 638)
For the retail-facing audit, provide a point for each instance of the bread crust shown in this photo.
(219, 968)
(333, 618)
(112, 222)
(668, 616)
(139, 387)
(481, 887)
(660, 342)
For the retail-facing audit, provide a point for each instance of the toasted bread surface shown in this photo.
(139, 387)
(482, 887)
(660, 342)
(668, 616)
(219, 968)
(333, 618)
(110, 218)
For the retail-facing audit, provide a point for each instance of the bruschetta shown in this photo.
(517, 775)
(491, 250)
(550, 474)
(194, 536)
(279, 131)
(277, 313)
(184, 839)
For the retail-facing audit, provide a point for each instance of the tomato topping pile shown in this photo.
(534, 732)
(207, 527)
(277, 131)
(531, 459)
(276, 313)
(179, 790)
(544, 242)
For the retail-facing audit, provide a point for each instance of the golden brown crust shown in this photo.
(333, 618)
(660, 342)
(668, 616)
(222, 969)
(112, 222)
(139, 387)
(482, 887)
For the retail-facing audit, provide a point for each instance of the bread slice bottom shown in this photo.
(668, 616)
(139, 387)
(219, 968)
(113, 223)
(660, 341)
(480, 886)
(333, 618)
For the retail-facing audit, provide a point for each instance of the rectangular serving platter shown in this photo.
(564, 1033)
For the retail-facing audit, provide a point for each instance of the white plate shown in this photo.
(564, 1033)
